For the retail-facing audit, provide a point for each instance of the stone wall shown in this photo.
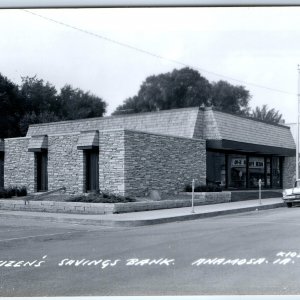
(18, 164)
(163, 163)
(65, 164)
(289, 171)
(58, 207)
(111, 162)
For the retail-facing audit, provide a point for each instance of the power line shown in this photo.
(156, 55)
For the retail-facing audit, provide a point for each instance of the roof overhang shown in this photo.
(248, 147)
(38, 143)
(88, 140)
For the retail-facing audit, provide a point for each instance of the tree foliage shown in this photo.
(230, 98)
(185, 88)
(266, 114)
(37, 101)
(11, 108)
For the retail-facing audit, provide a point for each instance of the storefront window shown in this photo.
(268, 172)
(231, 170)
(237, 171)
(216, 168)
(256, 171)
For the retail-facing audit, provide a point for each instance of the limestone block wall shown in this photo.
(65, 164)
(161, 162)
(18, 164)
(289, 171)
(111, 162)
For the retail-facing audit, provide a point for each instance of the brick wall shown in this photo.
(163, 163)
(65, 164)
(289, 171)
(111, 162)
(18, 164)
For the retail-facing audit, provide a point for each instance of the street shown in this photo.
(249, 253)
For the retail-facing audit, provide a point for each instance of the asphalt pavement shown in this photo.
(252, 253)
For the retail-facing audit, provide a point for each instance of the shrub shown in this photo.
(21, 191)
(13, 191)
(100, 198)
(5, 194)
(204, 188)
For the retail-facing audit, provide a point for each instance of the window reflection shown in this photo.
(256, 171)
(237, 171)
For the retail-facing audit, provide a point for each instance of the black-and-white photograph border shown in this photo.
(149, 149)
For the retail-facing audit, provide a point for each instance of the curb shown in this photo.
(137, 223)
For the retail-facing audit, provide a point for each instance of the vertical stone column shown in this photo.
(289, 171)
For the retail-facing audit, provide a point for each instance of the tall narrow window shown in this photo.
(41, 171)
(92, 170)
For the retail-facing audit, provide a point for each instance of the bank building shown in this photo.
(132, 154)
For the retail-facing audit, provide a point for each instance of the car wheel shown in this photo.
(289, 204)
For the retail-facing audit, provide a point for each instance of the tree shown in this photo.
(186, 88)
(266, 114)
(44, 104)
(180, 88)
(77, 104)
(11, 108)
(39, 96)
(230, 98)
(37, 101)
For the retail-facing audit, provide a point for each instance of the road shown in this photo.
(250, 253)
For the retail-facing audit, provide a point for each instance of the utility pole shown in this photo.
(297, 145)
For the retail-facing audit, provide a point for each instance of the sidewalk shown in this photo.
(151, 217)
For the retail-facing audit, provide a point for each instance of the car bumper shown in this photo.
(291, 198)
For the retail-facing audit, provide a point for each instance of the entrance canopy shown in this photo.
(88, 140)
(38, 143)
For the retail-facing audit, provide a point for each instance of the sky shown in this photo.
(257, 47)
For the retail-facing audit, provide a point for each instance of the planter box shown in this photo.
(110, 208)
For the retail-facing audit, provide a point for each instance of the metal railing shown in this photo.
(43, 195)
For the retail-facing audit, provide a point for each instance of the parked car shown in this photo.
(291, 196)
